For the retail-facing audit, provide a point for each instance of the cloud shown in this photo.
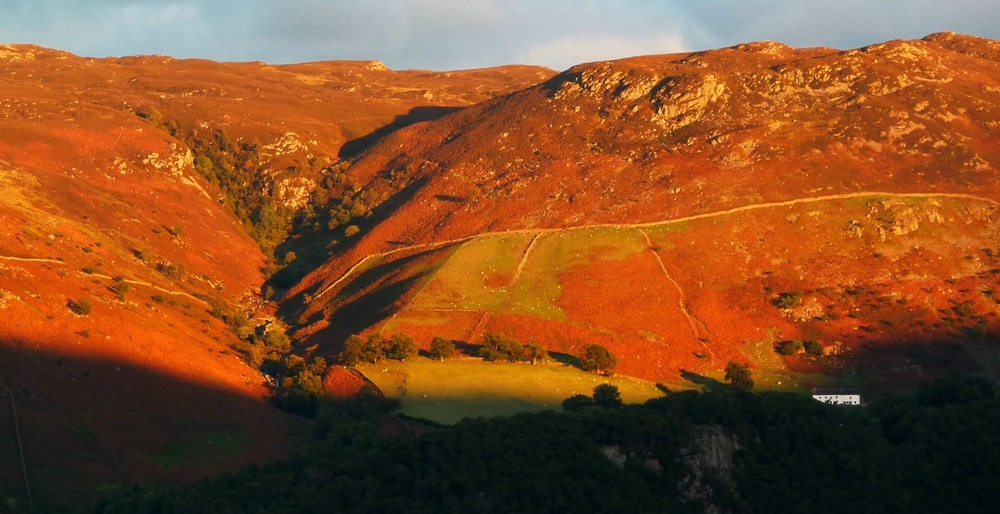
(840, 24)
(449, 34)
(567, 51)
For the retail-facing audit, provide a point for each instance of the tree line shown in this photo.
(493, 347)
(931, 450)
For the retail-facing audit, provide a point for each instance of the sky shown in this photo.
(460, 34)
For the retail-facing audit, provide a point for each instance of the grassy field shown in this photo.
(476, 276)
(449, 391)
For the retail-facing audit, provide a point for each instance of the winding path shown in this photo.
(108, 277)
(767, 205)
(692, 320)
(31, 259)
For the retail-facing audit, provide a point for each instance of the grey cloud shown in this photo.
(448, 34)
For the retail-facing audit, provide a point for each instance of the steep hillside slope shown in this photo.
(117, 255)
(779, 186)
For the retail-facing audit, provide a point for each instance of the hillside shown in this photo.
(164, 221)
(736, 198)
(106, 201)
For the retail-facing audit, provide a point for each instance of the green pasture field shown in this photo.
(476, 276)
(449, 391)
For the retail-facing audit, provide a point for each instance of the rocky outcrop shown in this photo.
(709, 460)
(683, 101)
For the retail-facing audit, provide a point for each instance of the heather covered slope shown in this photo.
(859, 142)
(102, 200)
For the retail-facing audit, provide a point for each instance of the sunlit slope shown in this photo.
(650, 138)
(879, 280)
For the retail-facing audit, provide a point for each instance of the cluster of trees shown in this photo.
(605, 395)
(494, 347)
(497, 347)
(932, 450)
(301, 384)
(376, 347)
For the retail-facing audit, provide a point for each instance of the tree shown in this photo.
(607, 396)
(400, 347)
(598, 359)
(442, 349)
(535, 353)
(374, 349)
(739, 375)
(353, 351)
(577, 402)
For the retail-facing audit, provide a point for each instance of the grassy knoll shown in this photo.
(449, 391)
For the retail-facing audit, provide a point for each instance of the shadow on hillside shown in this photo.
(565, 358)
(86, 423)
(314, 251)
(374, 295)
(708, 383)
(355, 147)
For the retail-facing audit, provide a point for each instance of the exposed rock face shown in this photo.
(709, 454)
(681, 102)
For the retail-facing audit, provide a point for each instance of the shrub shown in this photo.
(80, 306)
(121, 288)
(351, 230)
(174, 271)
(793, 347)
(813, 348)
(787, 300)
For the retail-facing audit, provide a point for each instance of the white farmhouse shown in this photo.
(838, 396)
